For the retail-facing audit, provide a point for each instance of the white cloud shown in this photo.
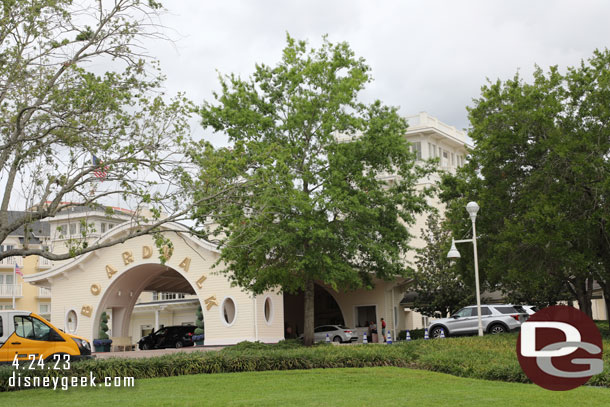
(425, 55)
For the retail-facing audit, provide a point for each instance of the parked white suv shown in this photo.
(496, 318)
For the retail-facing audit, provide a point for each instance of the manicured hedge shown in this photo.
(241, 358)
(413, 333)
(491, 357)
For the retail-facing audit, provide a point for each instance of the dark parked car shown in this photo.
(168, 337)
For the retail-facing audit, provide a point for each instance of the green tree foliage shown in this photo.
(76, 82)
(439, 285)
(103, 326)
(540, 172)
(317, 209)
(199, 322)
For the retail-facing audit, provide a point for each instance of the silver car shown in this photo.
(496, 318)
(336, 333)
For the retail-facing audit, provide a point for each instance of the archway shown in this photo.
(326, 311)
(123, 293)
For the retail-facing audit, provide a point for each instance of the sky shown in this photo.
(426, 55)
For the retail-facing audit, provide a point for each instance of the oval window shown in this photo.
(71, 321)
(228, 311)
(268, 310)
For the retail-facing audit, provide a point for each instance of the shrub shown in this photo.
(491, 357)
(415, 334)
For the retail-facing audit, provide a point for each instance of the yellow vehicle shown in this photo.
(23, 334)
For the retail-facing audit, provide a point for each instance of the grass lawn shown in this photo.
(318, 387)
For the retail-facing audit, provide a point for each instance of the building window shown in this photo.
(416, 148)
(71, 321)
(110, 226)
(364, 315)
(228, 311)
(6, 278)
(72, 229)
(103, 227)
(452, 159)
(45, 311)
(62, 230)
(268, 309)
(163, 296)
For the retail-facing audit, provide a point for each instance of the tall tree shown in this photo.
(439, 285)
(83, 120)
(318, 210)
(540, 174)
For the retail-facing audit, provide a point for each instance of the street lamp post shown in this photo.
(472, 209)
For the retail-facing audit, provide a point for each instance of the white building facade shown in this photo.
(140, 294)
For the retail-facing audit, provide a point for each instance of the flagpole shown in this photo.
(14, 283)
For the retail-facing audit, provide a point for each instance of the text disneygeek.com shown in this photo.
(64, 383)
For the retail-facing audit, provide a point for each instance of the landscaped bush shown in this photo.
(414, 333)
(492, 357)
(603, 328)
(244, 357)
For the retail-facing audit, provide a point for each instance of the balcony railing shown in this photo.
(44, 263)
(44, 292)
(11, 261)
(6, 290)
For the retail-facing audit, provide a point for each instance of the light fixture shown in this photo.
(453, 252)
(472, 209)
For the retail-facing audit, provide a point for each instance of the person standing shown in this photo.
(374, 336)
(383, 326)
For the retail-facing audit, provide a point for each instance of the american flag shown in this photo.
(18, 270)
(100, 170)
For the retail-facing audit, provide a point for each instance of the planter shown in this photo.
(102, 345)
(198, 339)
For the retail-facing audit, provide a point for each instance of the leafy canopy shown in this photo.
(540, 172)
(319, 207)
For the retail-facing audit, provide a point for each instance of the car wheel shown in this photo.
(497, 329)
(145, 346)
(436, 331)
(178, 345)
(337, 339)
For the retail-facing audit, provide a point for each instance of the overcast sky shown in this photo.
(425, 55)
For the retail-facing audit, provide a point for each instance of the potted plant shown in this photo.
(102, 344)
(199, 331)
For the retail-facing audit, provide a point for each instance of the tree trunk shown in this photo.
(309, 313)
(583, 291)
